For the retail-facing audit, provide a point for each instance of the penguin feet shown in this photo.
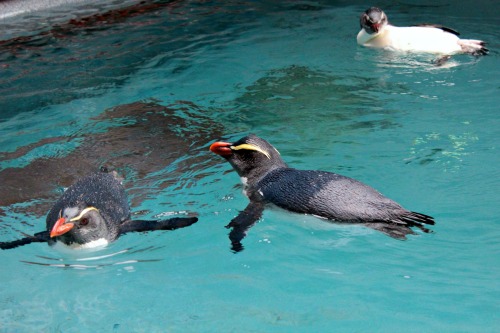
(441, 60)
(473, 46)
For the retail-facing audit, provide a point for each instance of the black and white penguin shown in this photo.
(378, 33)
(268, 180)
(93, 212)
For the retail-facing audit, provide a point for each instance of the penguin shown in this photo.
(268, 180)
(94, 212)
(376, 32)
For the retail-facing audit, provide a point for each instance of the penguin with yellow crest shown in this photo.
(93, 212)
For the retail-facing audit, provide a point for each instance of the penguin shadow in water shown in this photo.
(135, 130)
(268, 180)
(93, 212)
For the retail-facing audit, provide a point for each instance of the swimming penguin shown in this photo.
(268, 180)
(92, 212)
(378, 33)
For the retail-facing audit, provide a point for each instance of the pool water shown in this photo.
(146, 89)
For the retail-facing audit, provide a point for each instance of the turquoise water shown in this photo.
(147, 92)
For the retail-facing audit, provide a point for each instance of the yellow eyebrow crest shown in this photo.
(251, 147)
(88, 209)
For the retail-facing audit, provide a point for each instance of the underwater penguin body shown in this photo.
(378, 33)
(93, 212)
(322, 194)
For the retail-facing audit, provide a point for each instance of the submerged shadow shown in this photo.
(141, 141)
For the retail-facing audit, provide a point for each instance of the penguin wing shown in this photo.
(438, 26)
(244, 221)
(39, 237)
(151, 225)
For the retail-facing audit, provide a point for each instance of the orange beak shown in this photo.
(60, 228)
(221, 148)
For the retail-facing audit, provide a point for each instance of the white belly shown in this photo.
(412, 39)
(97, 245)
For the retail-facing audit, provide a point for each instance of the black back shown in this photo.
(327, 195)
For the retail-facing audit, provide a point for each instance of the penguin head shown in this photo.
(373, 20)
(80, 226)
(252, 157)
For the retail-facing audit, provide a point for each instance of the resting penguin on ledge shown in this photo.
(378, 33)
(268, 180)
(93, 212)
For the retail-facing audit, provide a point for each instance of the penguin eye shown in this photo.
(84, 221)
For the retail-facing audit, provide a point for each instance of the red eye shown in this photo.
(84, 221)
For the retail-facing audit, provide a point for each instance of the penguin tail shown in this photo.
(414, 219)
(473, 46)
(420, 218)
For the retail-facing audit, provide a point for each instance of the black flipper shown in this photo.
(39, 237)
(438, 26)
(170, 224)
(244, 221)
